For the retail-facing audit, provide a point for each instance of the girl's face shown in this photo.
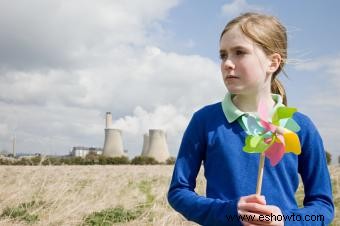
(244, 65)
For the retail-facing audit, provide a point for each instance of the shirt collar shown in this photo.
(232, 113)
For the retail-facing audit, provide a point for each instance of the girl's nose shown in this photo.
(228, 64)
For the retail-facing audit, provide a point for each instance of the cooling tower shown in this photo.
(113, 144)
(145, 145)
(158, 148)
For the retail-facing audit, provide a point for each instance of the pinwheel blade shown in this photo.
(292, 142)
(290, 124)
(275, 153)
(281, 113)
(260, 147)
(262, 110)
(252, 126)
(281, 139)
(268, 126)
(254, 141)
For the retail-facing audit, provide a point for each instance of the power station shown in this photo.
(154, 144)
(113, 143)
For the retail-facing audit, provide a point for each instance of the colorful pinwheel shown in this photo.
(273, 137)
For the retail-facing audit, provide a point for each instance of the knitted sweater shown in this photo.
(231, 173)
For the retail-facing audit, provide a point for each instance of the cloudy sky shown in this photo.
(152, 63)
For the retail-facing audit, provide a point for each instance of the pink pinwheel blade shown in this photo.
(275, 153)
(281, 138)
(268, 126)
(262, 110)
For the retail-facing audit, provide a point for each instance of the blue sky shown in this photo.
(151, 63)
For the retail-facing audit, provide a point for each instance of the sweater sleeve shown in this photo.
(318, 205)
(182, 196)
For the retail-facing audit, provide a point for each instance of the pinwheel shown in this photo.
(272, 138)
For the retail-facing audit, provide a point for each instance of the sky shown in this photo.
(151, 63)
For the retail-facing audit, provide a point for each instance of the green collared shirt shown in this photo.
(232, 113)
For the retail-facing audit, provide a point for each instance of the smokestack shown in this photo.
(14, 142)
(158, 148)
(108, 120)
(145, 145)
(113, 144)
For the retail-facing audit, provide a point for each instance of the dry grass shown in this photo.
(67, 194)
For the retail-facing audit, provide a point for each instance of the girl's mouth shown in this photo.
(232, 77)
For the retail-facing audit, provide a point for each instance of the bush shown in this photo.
(23, 161)
(35, 160)
(123, 160)
(91, 159)
(143, 160)
(170, 161)
(328, 157)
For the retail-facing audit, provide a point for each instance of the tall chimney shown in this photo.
(108, 120)
(14, 143)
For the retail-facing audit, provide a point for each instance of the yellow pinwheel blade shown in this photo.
(292, 142)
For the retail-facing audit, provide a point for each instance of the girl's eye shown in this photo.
(239, 52)
(223, 56)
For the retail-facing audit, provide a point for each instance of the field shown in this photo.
(93, 195)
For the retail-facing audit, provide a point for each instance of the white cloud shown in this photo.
(328, 66)
(165, 117)
(43, 34)
(321, 81)
(238, 6)
(66, 71)
(68, 104)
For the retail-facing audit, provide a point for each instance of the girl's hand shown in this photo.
(254, 211)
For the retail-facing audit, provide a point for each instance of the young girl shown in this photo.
(253, 50)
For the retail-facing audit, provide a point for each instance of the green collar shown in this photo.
(232, 113)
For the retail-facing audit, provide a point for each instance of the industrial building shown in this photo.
(154, 144)
(83, 151)
(113, 143)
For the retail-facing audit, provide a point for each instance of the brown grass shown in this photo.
(70, 193)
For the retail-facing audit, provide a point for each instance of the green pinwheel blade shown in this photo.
(260, 147)
(254, 141)
(290, 124)
(281, 113)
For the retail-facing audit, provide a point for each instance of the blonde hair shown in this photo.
(267, 32)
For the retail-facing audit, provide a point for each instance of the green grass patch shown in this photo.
(118, 214)
(110, 216)
(145, 187)
(23, 212)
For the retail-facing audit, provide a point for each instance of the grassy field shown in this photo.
(96, 195)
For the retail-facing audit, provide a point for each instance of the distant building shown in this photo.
(83, 151)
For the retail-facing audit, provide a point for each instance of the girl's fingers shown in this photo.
(260, 199)
(255, 208)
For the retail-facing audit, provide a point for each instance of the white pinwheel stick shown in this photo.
(260, 174)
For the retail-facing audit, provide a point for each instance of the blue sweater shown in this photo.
(231, 173)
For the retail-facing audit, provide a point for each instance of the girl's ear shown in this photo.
(275, 61)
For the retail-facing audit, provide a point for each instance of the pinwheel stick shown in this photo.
(260, 174)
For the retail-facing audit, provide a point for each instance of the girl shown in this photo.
(253, 50)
